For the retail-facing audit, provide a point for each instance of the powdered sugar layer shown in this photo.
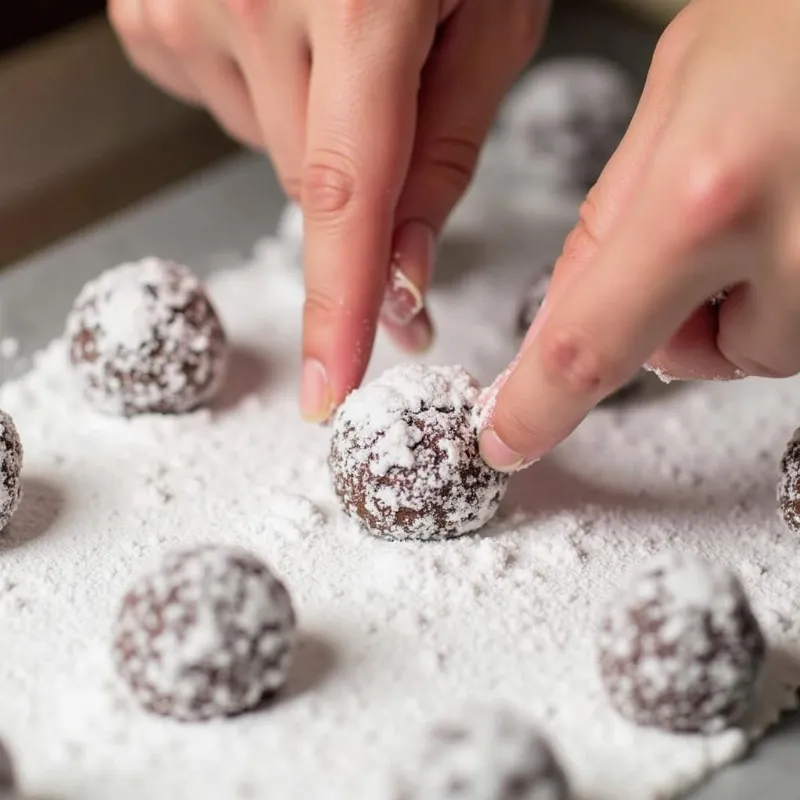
(679, 647)
(484, 753)
(393, 635)
(407, 389)
(144, 338)
(206, 633)
(10, 468)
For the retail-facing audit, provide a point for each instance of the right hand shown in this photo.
(702, 195)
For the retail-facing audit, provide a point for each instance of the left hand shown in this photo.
(373, 112)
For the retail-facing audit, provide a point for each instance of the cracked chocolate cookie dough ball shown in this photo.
(404, 455)
(484, 754)
(565, 119)
(680, 648)
(532, 299)
(145, 338)
(789, 484)
(208, 633)
(10, 469)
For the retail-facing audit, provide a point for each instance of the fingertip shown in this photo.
(497, 454)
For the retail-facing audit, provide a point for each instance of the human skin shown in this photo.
(373, 113)
(703, 194)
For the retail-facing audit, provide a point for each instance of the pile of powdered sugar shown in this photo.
(391, 635)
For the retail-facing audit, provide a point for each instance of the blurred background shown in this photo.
(82, 136)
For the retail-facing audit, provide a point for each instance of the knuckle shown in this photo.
(716, 189)
(127, 20)
(329, 185)
(583, 241)
(452, 159)
(352, 11)
(528, 29)
(320, 309)
(673, 44)
(245, 11)
(575, 365)
(172, 21)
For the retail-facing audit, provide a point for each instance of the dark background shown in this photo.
(33, 18)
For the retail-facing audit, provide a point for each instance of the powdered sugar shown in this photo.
(403, 390)
(392, 635)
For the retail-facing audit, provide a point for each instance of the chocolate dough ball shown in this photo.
(10, 469)
(484, 754)
(208, 633)
(145, 338)
(532, 299)
(565, 119)
(8, 774)
(679, 647)
(789, 484)
(404, 455)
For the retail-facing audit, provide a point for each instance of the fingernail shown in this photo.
(413, 256)
(403, 300)
(316, 401)
(416, 337)
(497, 454)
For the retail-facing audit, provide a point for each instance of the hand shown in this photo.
(703, 194)
(373, 114)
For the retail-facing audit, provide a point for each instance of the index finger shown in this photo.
(367, 60)
(672, 250)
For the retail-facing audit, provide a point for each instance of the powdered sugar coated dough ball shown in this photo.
(208, 633)
(404, 455)
(10, 469)
(679, 647)
(566, 118)
(789, 484)
(485, 753)
(145, 338)
(290, 234)
(8, 775)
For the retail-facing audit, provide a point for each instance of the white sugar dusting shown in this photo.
(392, 635)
